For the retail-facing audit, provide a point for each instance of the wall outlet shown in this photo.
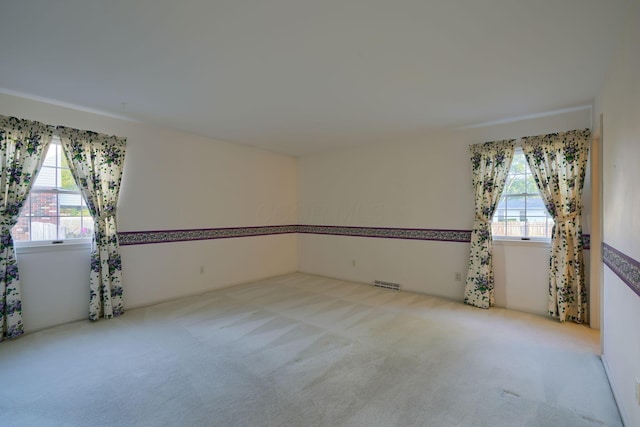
(458, 277)
(638, 390)
(202, 269)
(353, 263)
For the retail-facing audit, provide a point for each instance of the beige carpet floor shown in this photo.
(303, 350)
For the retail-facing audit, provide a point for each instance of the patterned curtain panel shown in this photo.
(491, 162)
(22, 145)
(558, 162)
(96, 162)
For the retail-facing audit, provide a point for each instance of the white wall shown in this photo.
(411, 263)
(522, 275)
(54, 285)
(423, 184)
(619, 102)
(172, 180)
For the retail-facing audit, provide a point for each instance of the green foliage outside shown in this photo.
(74, 211)
(68, 183)
(517, 181)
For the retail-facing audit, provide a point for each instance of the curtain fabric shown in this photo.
(96, 162)
(22, 145)
(558, 162)
(490, 162)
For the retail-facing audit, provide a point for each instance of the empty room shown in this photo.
(320, 213)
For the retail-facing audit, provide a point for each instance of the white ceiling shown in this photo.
(303, 76)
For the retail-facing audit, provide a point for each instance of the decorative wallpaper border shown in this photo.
(389, 233)
(128, 238)
(166, 236)
(625, 267)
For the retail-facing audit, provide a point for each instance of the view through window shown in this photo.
(521, 212)
(55, 209)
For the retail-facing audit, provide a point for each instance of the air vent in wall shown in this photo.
(386, 285)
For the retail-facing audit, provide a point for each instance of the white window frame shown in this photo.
(524, 239)
(24, 246)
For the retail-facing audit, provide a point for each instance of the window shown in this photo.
(521, 212)
(55, 210)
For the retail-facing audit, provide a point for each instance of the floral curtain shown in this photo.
(96, 162)
(558, 162)
(22, 145)
(491, 162)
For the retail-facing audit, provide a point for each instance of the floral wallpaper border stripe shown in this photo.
(128, 238)
(625, 267)
(166, 236)
(389, 233)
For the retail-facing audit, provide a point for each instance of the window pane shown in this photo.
(20, 232)
(44, 204)
(26, 207)
(76, 227)
(66, 180)
(516, 184)
(507, 185)
(50, 158)
(63, 160)
(70, 211)
(539, 227)
(499, 218)
(521, 211)
(498, 228)
(46, 178)
(40, 219)
(535, 206)
(532, 187)
(519, 163)
(514, 227)
(44, 228)
(514, 215)
(70, 228)
(70, 204)
(87, 228)
(515, 204)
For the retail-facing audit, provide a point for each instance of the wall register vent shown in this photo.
(386, 285)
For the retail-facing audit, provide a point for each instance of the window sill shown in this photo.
(40, 247)
(520, 242)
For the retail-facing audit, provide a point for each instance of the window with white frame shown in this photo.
(55, 209)
(521, 213)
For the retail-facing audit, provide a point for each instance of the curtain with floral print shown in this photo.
(96, 162)
(558, 162)
(490, 162)
(22, 147)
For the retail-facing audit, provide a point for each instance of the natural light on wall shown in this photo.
(55, 210)
(521, 213)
